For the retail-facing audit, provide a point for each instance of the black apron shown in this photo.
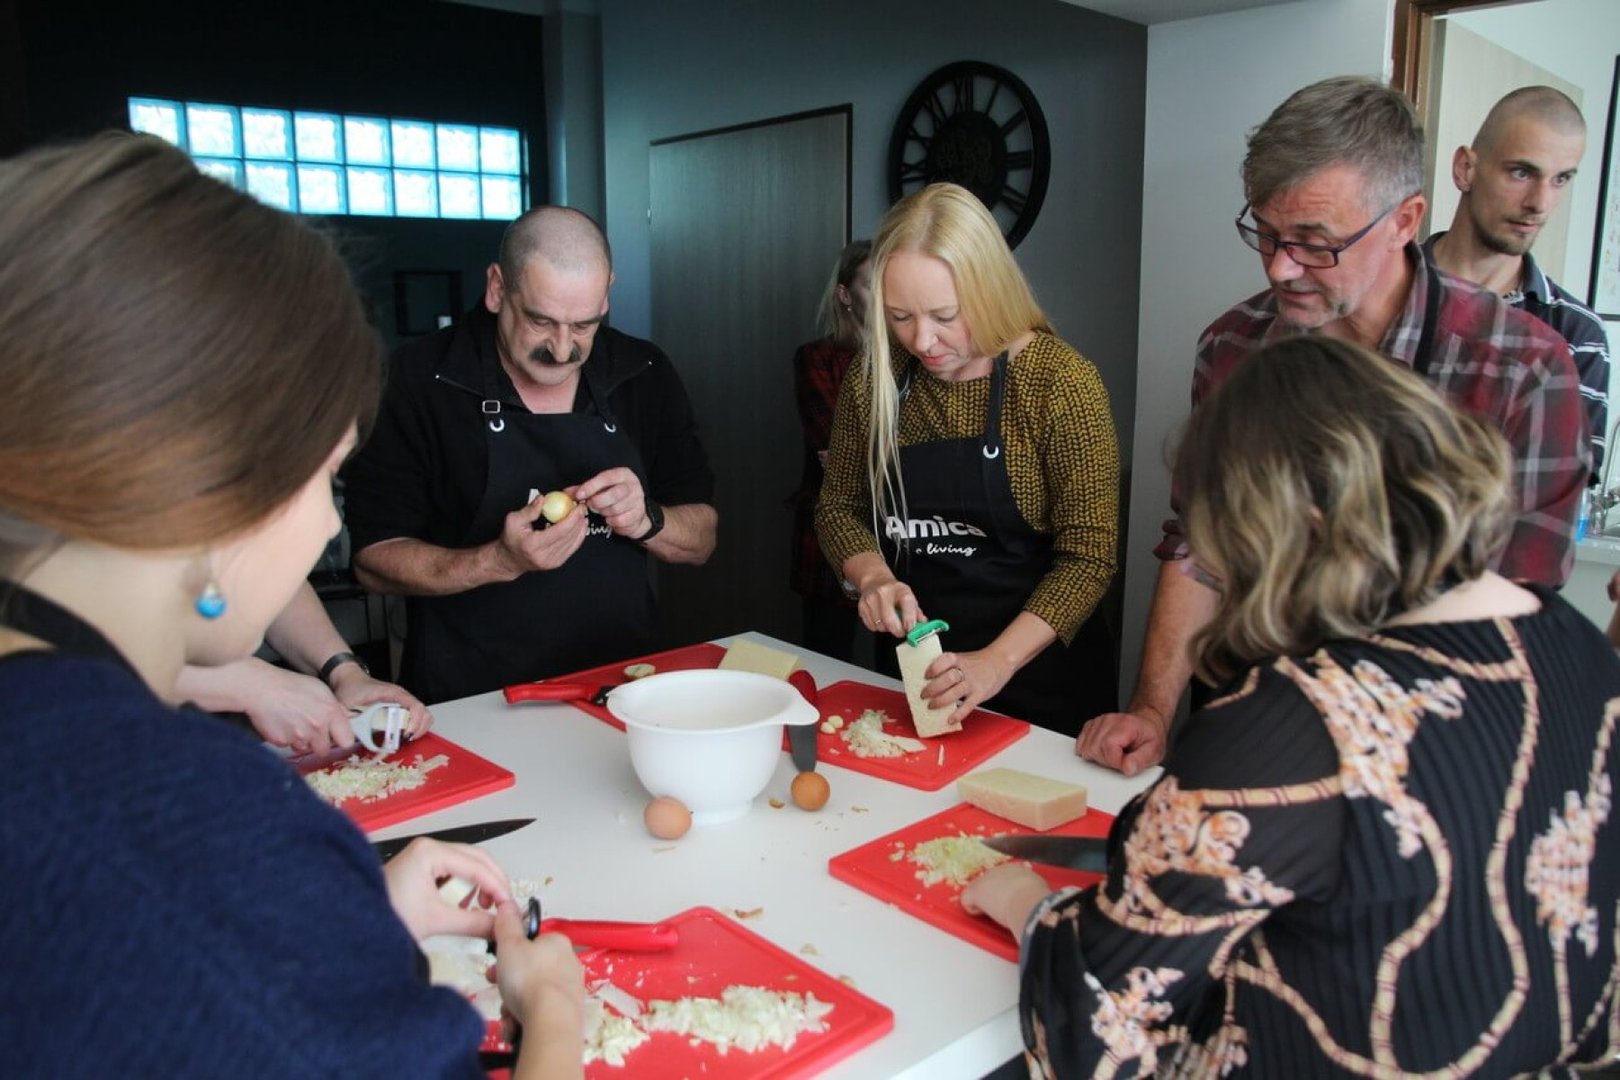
(597, 607)
(972, 560)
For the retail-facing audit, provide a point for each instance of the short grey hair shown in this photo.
(1348, 120)
(568, 239)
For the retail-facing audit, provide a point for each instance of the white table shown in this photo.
(954, 1004)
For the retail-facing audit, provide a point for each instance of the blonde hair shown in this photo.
(949, 223)
(833, 315)
(178, 358)
(1329, 489)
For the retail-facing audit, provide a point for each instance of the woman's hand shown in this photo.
(887, 604)
(355, 689)
(414, 877)
(1007, 894)
(285, 708)
(543, 990)
(962, 681)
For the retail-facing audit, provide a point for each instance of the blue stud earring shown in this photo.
(211, 604)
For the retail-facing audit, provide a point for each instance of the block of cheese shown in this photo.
(749, 656)
(1037, 802)
(914, 660)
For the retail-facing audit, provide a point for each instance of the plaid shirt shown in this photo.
(1488, 358)
(818, 372)
(1541, 296)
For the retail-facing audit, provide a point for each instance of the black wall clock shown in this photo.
(977, 125)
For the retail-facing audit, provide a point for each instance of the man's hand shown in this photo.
(616, 496)
(522, 547)
(1125, 741)
(355, 690)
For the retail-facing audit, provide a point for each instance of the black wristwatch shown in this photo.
(655, 522)
(337, 660)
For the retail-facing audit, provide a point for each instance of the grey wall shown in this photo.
(673, 69)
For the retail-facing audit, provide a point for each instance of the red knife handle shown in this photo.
(805, 683)
(548, 691)
(623, 936)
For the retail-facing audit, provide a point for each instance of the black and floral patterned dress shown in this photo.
(1393, 857)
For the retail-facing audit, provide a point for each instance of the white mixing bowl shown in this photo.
(709, 738)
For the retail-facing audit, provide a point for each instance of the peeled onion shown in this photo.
(556, 506)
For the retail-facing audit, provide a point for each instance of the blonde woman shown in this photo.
(819, 367)
(1388, 849)
(980, 447)
(185, 370)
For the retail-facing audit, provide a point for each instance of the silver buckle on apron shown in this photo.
(491, 407)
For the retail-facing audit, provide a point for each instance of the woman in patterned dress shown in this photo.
(1384, 850)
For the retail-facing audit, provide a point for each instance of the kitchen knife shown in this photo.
(1070, 852)
(557, 691)
(802, 737)
(460, 834)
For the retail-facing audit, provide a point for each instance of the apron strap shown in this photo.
(599, 399)
(26, 611)
(992, 415)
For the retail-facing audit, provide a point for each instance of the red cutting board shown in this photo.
(686, 658)
(715, 952)
(466, 776)
(983, 735)
(872, 869)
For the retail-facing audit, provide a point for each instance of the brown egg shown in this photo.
(810, 791)
(667, 818)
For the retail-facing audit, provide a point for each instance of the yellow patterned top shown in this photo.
(1062, 460)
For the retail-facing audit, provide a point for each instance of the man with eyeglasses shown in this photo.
(1334, 180)
(1511, 180)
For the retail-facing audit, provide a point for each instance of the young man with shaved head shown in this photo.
(1511, 180)
(528, 394)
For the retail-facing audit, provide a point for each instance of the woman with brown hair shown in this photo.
(1385, 849)
(185, 369)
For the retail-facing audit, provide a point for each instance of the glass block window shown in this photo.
(330, 163)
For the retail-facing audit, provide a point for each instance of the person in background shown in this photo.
(1511, 180)
(818, 372)
(306, 709)
(528, 394)
(980, 446)
(1334, 182)
(1386, 849)
(186, 368)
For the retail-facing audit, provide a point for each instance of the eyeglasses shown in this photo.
(1316, 256)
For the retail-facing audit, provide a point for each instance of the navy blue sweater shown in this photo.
(176, 902)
